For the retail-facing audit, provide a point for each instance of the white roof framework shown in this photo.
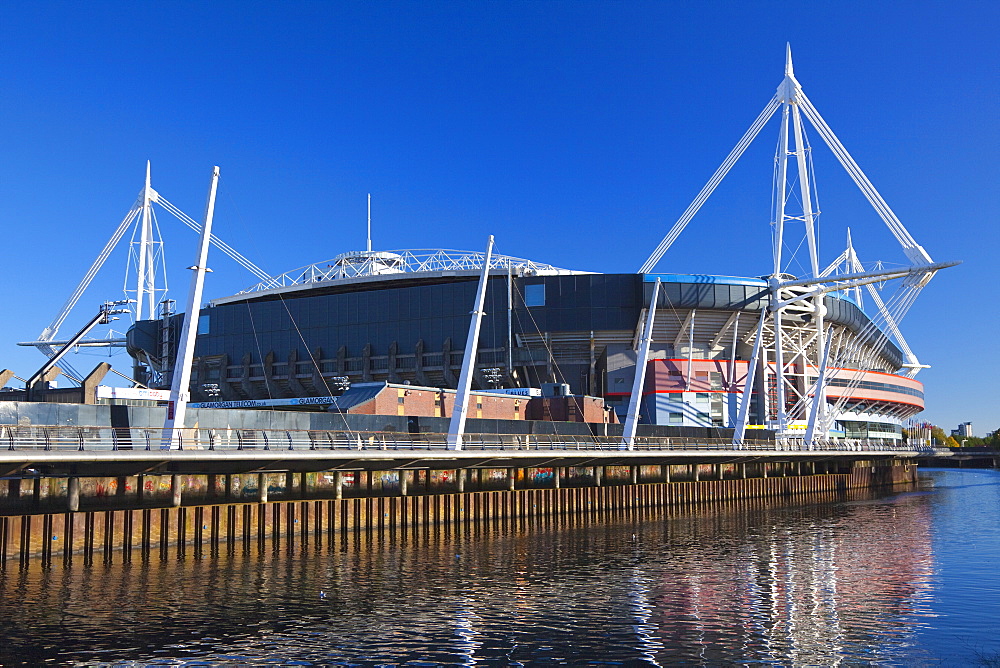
(368, 263)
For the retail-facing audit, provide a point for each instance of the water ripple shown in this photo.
(892, 580)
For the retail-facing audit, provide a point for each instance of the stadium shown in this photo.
(402, 317)
(809, 357)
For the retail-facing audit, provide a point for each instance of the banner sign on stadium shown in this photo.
(105, 392)
(263, 403)
(516, 391)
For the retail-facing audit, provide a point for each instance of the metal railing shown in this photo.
(87, 439)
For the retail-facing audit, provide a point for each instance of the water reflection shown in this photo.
(772, 583)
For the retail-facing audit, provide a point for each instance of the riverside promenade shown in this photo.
(105, 494)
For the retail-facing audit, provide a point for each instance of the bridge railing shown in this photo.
(84, 438)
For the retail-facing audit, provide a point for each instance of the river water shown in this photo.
(902, 579)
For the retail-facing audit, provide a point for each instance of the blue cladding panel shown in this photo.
(534, 294)
(704, 279)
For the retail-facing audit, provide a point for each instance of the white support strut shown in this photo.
(639, 380)
(816, 413)
(779, 370)
(179, 390)
(744, 411)
(144, 239)
(460, 411)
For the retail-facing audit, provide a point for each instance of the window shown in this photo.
(675, 418)
(204, 324)
(715, 379)
(534, 295)
(701, 397)
(401, 400)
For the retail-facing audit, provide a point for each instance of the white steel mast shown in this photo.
(789, 93)
(145, 289)
(781, 162)
(145, 254)
(179, 391)
(799, 375)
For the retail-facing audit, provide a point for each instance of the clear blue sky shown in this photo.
(576, 132)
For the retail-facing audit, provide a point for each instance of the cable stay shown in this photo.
(215, 241)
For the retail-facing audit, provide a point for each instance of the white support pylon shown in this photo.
(146, 256)
(853, 264)
(145, 289)
(817, 411)
(789, 93)
(810, 405)
(779, 365)
(912, 365)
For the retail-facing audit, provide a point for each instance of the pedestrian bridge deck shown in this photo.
(82, 450)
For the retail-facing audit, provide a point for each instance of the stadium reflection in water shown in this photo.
(851, 581)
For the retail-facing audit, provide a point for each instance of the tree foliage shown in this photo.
(941, 438)
(991, 440)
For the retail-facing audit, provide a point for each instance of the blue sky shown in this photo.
(576, 132)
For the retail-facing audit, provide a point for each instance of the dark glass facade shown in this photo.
(581, 303)
(414, 327)
(354, 319)
(409, 313)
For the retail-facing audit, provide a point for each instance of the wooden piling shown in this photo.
(417, 507)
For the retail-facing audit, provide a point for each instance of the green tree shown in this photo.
(941, 438)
